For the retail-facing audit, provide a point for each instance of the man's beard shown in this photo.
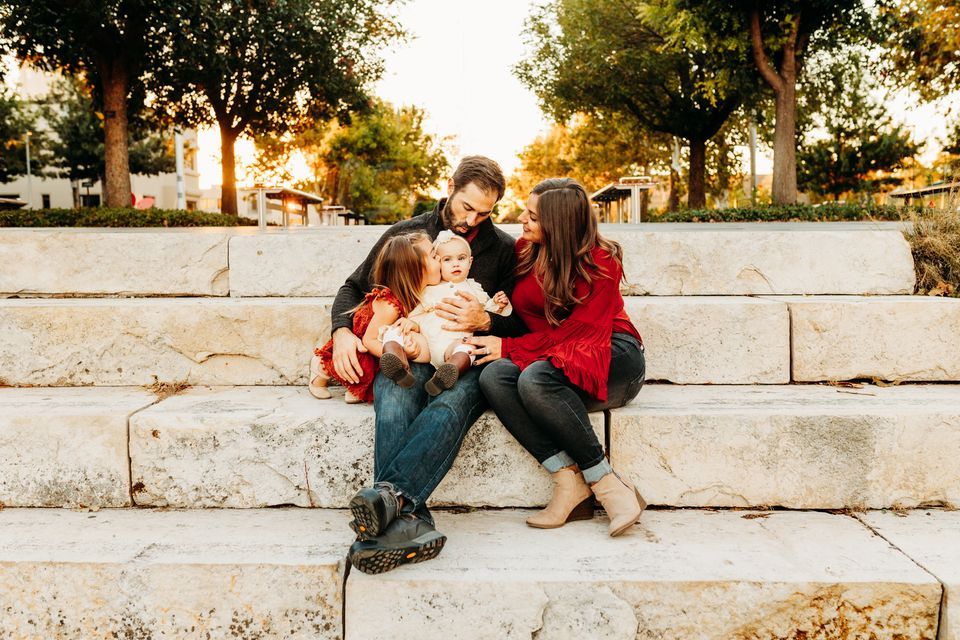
(446, 216)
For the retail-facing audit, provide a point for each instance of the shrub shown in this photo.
(119, 217)
(829, 212)
(935, 242)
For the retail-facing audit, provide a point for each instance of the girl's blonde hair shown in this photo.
(400, 267)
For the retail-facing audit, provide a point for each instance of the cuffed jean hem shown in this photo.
(597, 471)
(558, 461)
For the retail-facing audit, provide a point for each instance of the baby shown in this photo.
(426, 339)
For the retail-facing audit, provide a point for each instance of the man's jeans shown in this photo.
(547, 413)
(418, 436)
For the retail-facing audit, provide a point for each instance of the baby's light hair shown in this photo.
(449, 236)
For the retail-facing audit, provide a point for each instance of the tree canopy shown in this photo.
(16, 119)
(615, 57)
(261, 67)
(923, 38)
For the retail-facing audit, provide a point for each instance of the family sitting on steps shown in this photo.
(415, 332)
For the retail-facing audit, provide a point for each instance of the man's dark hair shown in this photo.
(481, 171)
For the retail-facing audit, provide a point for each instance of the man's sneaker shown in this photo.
(407, 540)
(373, 509)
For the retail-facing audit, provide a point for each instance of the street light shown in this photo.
(29, 177)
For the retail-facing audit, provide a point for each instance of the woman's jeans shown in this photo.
(547, 413)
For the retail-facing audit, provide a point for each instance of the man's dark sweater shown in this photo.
(493, 267)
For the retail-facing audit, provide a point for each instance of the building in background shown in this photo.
(45, 192)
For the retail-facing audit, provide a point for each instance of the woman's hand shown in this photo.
(487, 346)
(464, 312)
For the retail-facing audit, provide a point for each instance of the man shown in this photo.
(418, 436)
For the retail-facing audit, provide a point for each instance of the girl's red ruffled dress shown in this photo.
(369, 364)
(580, 346)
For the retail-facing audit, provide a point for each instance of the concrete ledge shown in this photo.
(66, 447)
(679, 575)
(132, 341)
(149, 574)
(269, 341)
(930, 539)
(114, 262)
(714, 340)
(803, 447)
(907, 338)
(261, 446)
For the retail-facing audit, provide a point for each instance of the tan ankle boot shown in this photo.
(571, 500)
(621, 500)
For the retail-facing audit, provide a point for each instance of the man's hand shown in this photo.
(345, 361)
(464, 313)
(487, 346)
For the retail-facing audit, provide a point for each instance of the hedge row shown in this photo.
(829, 212)
(119, 217)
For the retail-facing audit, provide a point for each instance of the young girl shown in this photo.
(422, 333)
(402, 270)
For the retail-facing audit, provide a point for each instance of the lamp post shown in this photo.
(29, 176)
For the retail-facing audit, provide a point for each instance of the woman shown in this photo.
(582, 354)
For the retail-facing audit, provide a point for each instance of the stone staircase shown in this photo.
(799, 437)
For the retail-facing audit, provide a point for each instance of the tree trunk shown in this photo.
(696, 181)
(228, 197)
(116, 151)
(673, 199)
(785, 145)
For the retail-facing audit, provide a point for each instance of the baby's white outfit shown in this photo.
(431, 325)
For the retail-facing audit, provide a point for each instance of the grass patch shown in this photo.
(935, 242)
(119, 217)
(164, 390)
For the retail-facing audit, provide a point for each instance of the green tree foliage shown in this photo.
(924, 44)
(614, 56)
(380, 164)
(77, 140)
(262, 67)
(863, 147)
(16, 119)
(595, 150)
(779, 35)
(111, 42)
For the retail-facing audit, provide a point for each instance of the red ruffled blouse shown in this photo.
(580, 346)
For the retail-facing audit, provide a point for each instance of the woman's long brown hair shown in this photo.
(569, 234)
(400, 266)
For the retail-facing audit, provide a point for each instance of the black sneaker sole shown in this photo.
(366, 523)
(371, 557)
(445, 377)
(393, 368)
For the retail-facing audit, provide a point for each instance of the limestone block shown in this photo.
(259, 446)
(112, 262)
(152, 574)
(678, 575)
(930, 538)
(66, 447)
(299, 262)
(129, 341)
(713, 340)
(696, 259)
(799, 446)
(908, 338)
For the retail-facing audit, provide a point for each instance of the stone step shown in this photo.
(269, 341)
(278, 574)
(907, 338)
(674, 259)
(257, 446)
(929, 538)
(67, 447)
(139, 573)
(798, 446)
(679, 575)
